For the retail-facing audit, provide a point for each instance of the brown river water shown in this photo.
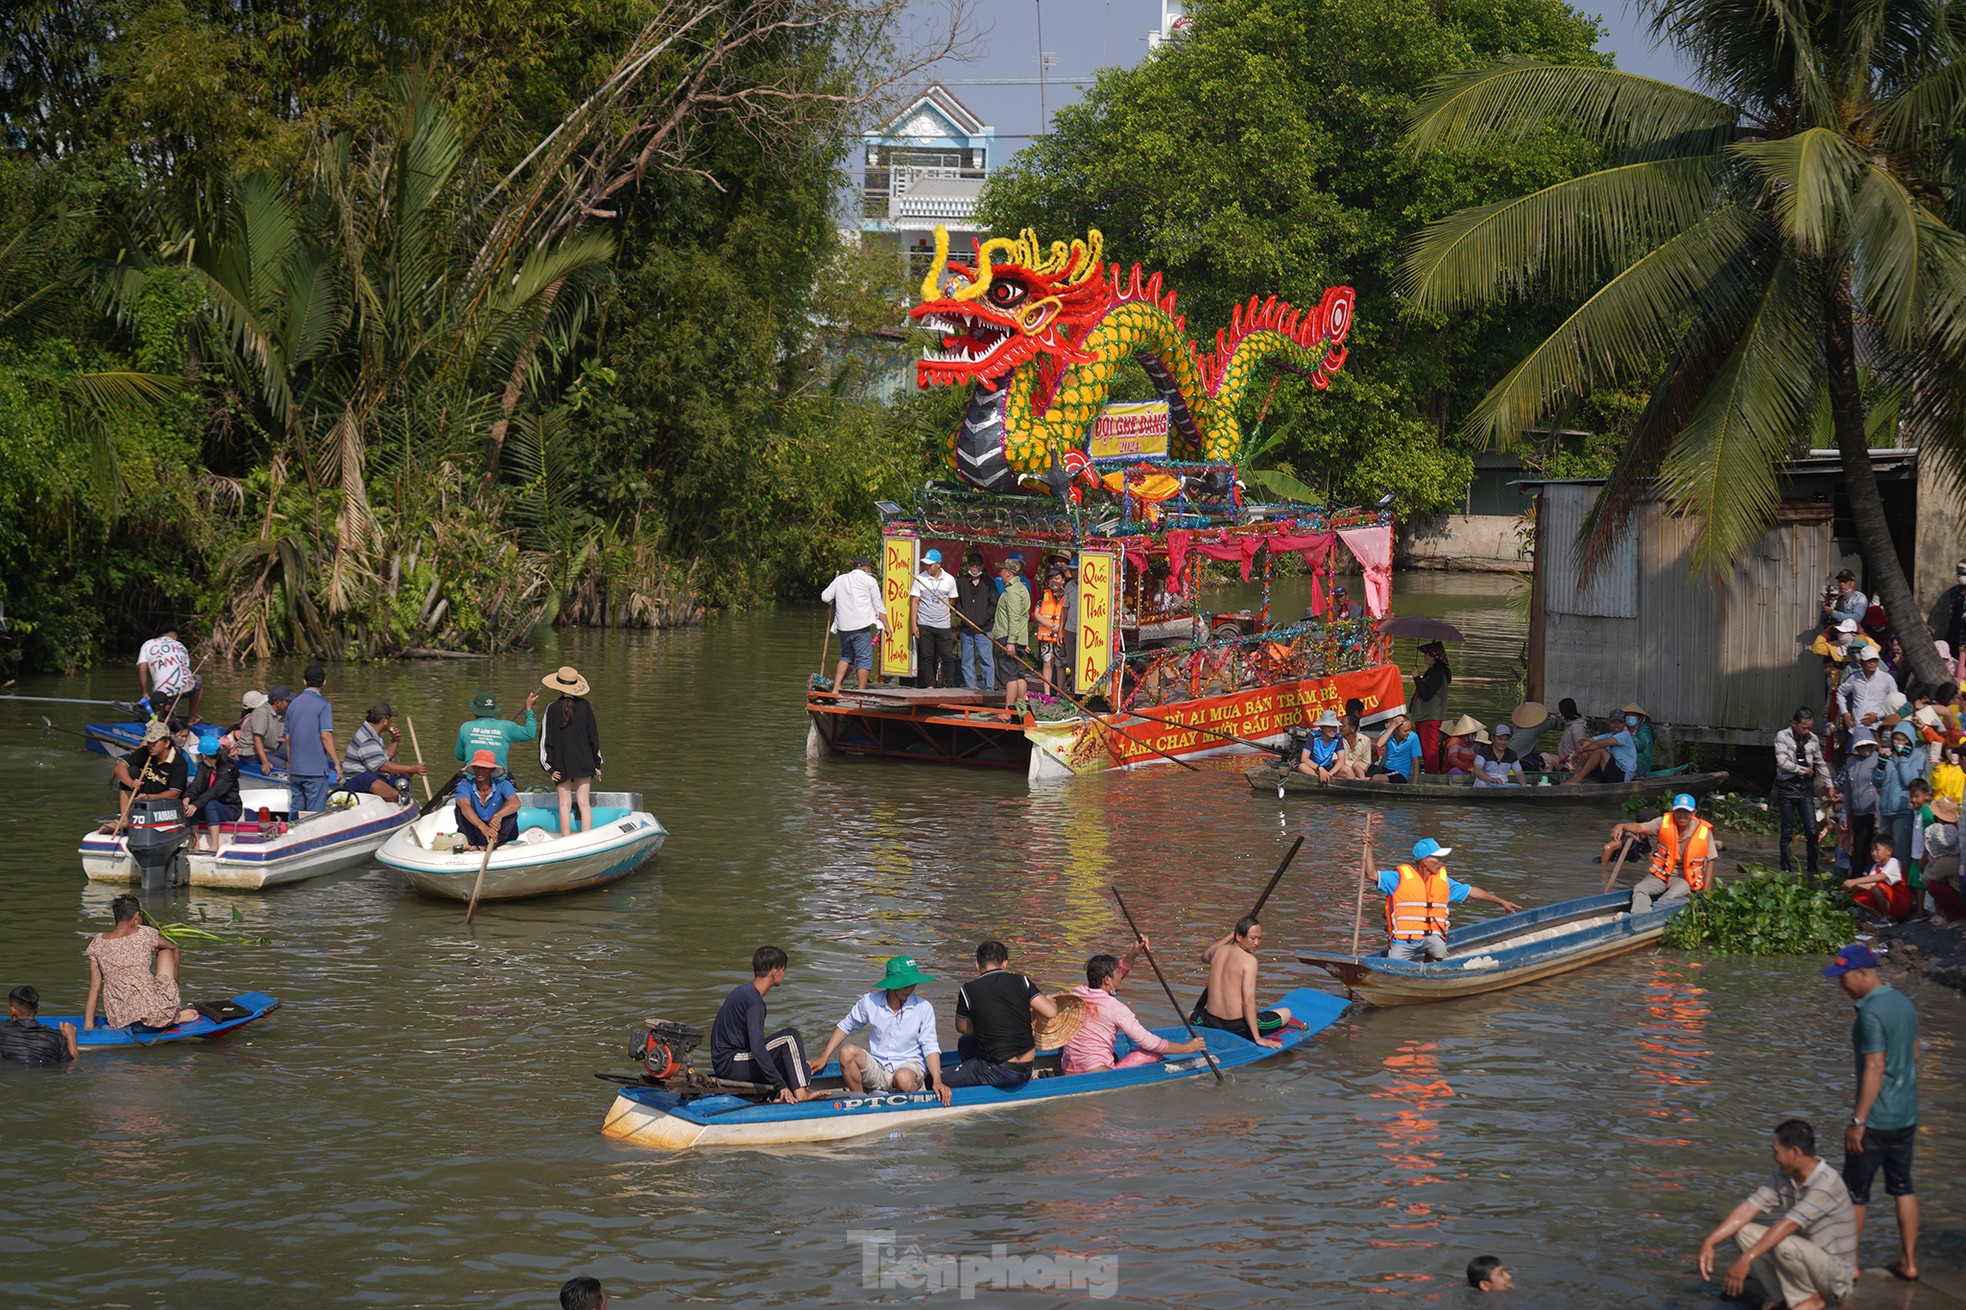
(419, 1124)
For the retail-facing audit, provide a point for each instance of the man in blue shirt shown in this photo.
(1608, 757)
(488, 805)
(902, 1048)
(1417, 896)
(1884, 1123)
(311, 752)
(1399, 753)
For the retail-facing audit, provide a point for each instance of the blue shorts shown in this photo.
(357, 783)
(857, 647)
(216, 812)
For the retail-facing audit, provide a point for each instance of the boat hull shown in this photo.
(616, 848)
(338, 838)
(258, 1005)
(1265, 778)
(651, 1117)
(1504, 952)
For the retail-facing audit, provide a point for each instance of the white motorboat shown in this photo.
(264, 849)
(541, 862)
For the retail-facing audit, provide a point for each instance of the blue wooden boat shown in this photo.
(257, 1005)
(647, 1115)
(119, 739)
(1504, 952)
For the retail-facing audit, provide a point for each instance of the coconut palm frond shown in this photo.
(1566, 237)
(1518, 97)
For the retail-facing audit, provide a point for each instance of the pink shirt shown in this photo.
(1105, 1016)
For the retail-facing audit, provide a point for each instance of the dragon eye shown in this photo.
(1005, 293)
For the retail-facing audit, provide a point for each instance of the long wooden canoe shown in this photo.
(649, 1116)
(1436, 787)
(1504, 952)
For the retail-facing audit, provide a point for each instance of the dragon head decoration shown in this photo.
(1020, 300)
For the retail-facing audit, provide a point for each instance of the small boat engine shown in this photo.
(156, 837)
(663, 1046)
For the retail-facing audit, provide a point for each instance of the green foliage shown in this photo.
(1731, 810)
(1261, 154)
(1726, 250)
(1763, 912)
(391, 413)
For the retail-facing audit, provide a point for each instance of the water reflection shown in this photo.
(418, 1124)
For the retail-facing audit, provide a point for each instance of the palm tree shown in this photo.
(1740, 252)
(364, 300)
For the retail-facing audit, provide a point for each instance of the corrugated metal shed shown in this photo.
(1718, 659)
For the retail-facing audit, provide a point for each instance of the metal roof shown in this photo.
(1896, 459)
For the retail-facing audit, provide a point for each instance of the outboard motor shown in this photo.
(156, 837)
(662, 1046)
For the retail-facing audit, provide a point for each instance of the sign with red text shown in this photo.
(1098, 585)
(1261, 714)
(1130, 427)
(896, 657)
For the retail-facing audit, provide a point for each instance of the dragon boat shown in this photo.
(1137, 495)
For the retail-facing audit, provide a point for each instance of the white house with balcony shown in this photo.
(925, 168)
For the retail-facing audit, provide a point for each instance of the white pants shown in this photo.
(1796, 1269)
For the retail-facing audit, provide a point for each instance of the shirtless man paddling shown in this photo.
(1231, 996)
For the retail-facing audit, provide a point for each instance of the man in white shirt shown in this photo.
(932, 624)
(1865, 695)
(857, 611)
(902, 1048)
(164, 672)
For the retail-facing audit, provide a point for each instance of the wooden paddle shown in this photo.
(491, 844)
(417, 746)
(1366, 863)
(1062, 695)
(825, 643)
(1624, 850)
(1149, 951)
(1261, 901)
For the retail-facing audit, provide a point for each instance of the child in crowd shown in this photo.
(1884, 888)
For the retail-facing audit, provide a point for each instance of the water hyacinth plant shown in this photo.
(1762, 912)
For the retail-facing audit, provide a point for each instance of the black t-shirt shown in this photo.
(739, 1028)
(29, 1041)
(998, 1007)
(165, 775)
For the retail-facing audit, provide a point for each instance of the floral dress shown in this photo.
(131, 993)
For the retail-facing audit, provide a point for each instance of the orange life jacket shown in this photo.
(1666, 859)
(1050, 615)
(1418, 905)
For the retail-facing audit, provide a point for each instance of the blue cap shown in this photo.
(1427, 846)
(1858, 956)
(933, 557)
(1684, 801)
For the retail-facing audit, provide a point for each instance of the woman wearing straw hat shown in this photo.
(1643, 740)
(570, 746)
(1457, 753)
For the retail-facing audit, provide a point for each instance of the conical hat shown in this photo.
(1054, 1033)
(1530, 714)
(1465, 726)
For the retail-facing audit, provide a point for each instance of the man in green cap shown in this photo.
(902, 1048)
(488, 732)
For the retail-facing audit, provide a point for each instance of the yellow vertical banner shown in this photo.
(1098, 588)
(897, 649)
